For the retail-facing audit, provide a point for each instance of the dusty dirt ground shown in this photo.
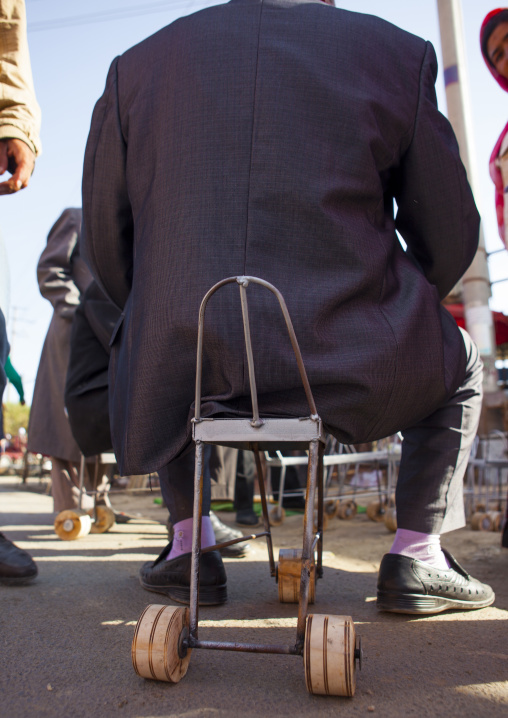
(65, 640)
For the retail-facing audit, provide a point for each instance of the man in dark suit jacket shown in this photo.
(270, 138)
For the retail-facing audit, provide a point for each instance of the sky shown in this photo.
(72, 45)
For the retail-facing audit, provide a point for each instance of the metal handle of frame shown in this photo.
(243, 282)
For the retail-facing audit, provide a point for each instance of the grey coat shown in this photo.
(63, 276)
(270, 138)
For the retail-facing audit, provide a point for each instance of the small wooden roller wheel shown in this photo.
(330, 508)
(390, 518)
(376, 511)
(276, 516)
(104, 519)
(72, 524)
(157, 650)
(480, 521)
(347, 509)
(329, 655)
(325, 521)
(289, 572)
(496, 518)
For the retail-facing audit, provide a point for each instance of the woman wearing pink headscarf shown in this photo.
(494, 45)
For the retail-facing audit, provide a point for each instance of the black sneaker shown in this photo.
(16, 566)
(406, 585)
(172, 578)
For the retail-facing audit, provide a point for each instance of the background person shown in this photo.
(494, 46)
(20, 120)
(63, 276)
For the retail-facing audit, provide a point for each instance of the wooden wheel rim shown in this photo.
(347, 510)
(478, 521)
(329, 655)
(289, 571)
(104, 521)
(330, 508)
(71, 525)
(155, 646)
(390, 519)
(375, 511)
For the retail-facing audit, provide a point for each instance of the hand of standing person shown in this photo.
(17, 158)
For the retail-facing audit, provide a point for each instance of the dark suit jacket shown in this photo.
(270, 138)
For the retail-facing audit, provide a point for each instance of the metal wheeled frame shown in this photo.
(258, 434)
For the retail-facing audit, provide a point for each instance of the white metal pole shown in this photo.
(476, 281)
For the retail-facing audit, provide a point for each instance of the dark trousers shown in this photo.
(435, 452)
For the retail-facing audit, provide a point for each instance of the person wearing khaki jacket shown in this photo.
(20, 119)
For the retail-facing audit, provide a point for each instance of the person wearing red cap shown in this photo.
(494, 46)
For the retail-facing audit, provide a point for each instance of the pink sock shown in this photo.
(182, 536)
(424, 547)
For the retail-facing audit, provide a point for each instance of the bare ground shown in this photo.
(65, 640)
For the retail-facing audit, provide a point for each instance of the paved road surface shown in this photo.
(65, 640)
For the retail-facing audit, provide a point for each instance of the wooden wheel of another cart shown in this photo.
(330, 508)
(157, 650)
(329, 655)
(72, 524)
(496, 518)
(390, 518)
(480, 521)
(104, 519)
(289, 572)
(347, 509)
(376, 511)
(276, 515)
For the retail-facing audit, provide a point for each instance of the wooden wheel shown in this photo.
(329, 655)
(330, 508)
(276, 515)
(157, 652)
(496, 518)
(390, 518)
(104, 519)
(480, 521)
(376, 511)
(72, 524)
(325, 521)
(289, 571)
(347, 509)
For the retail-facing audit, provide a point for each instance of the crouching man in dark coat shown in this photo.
(270, 138)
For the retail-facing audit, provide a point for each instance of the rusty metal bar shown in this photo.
(320, 486)
(81, 480)
(199, 362)
(244, 281)
(307, 556)
(248, 347)
(233, 541)
(243, 647)
(264, 505)
(196, 541)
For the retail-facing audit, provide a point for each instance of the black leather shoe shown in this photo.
(247, 518)
(406, 585)
(226, 533)
(172, 578)
(16, 566)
